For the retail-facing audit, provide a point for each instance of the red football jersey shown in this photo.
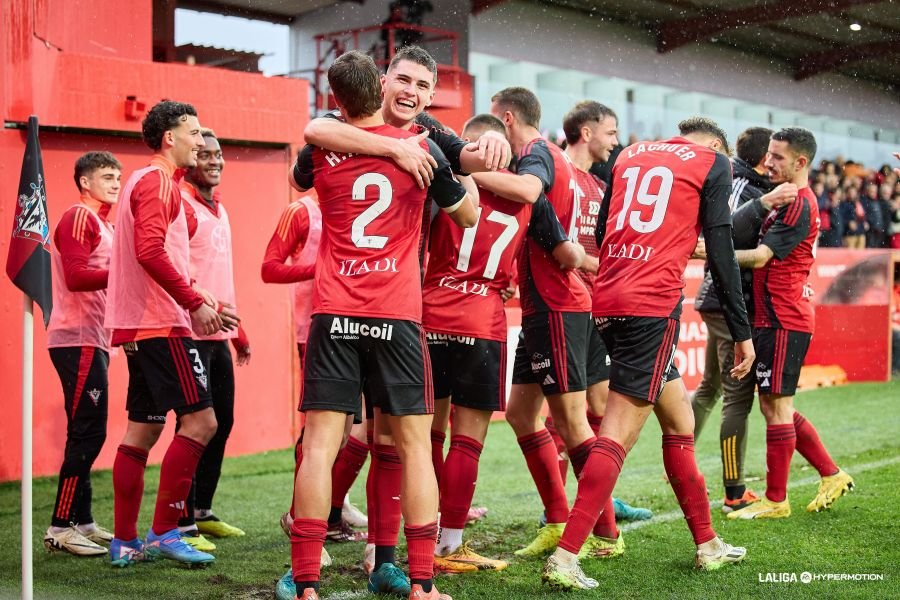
(659, 195)
(543, 285)
(589, 192)
(368, 263)
(779, 288)
(468, 268)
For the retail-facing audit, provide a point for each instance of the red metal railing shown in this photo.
(382, 48)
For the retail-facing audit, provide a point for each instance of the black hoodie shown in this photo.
(748, 187)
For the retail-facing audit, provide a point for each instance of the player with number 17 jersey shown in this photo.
(468, 268)
(372, 219)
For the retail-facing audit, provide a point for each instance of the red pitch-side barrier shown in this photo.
(851, 291)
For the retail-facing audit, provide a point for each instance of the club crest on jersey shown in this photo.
(31, 220)
(629, 251)
(349, 329)
(95, 395)
(353, 267)
(464, 287)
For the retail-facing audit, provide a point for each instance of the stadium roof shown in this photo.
(858, 38)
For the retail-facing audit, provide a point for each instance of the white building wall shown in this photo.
(563, 38)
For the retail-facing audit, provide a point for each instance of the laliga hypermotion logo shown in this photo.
(31, 222)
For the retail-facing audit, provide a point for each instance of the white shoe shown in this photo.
(96, 534)
(369, 559)
(723, 554)
(325, 559)
(286, 521)
(72, 541)
(353, 516)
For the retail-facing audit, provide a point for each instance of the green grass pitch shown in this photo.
(858, 423)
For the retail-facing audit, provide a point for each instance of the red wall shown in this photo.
(79, 95)
(253, 191)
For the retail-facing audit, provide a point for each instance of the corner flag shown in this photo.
(28, 261)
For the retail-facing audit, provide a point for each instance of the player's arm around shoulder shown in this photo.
(449, 193)
(544, 228)
(341, 137)
(525, 188)
(300, 175)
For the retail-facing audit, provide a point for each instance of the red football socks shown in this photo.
(458, 481)
(541, 458)
(128, 489)
(594, 492)
(594, 421)
(420, 541)
(606, 523)
(605, 526)
(781, 440)
(386, 491)
(175, 475)
(307, 540)
(688, 483)
(561, 457)
(437, 452)
(579, 455)
(811, 448)
(346, 468)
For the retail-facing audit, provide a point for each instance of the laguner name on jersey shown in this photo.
(680, 150)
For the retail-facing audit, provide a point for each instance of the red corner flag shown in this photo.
(28, 261)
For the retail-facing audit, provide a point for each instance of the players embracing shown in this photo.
(365, 333)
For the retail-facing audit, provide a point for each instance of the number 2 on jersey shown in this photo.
(659, 201)
(385, 194)
(497, 248)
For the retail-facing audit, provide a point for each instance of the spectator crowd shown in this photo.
(858, 208)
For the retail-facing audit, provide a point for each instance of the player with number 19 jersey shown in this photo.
(468, 268)
(660, 195)
(372, 219)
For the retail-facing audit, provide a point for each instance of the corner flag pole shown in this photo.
(27, 390)
(28, 267)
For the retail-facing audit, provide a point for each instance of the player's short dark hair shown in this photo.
(752, 144)
(707, 126)
(208, 133)
(584, 112)
(415, 54)
(354, 80)
(802, 141)
(486, 122)
(164, 116)
(89, 162)
(522, 102)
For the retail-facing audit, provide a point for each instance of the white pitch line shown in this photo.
(677, 514)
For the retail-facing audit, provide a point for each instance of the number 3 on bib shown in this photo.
(660, 178)
(385, 195)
